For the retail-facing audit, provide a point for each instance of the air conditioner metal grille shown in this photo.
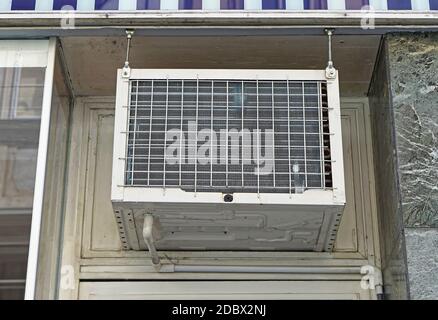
(228, 136)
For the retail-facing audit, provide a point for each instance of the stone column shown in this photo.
(404, 104)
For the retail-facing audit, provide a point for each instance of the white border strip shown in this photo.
(44, 5)
(294, 5)
(169, 5)
(40, 177)
(85, 5)
(5, 5)
(311, 15)
(253, 5)
(128, 5)
(336, 4)
(378, 5)
(214, 5)
(420, 5)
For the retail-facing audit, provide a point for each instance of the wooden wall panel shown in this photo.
(92, 246)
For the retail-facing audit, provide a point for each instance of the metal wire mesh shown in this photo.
(228, 136)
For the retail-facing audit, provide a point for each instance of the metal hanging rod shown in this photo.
(126, 67)
(330, 71)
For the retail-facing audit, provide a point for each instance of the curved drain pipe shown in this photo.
(151, 231)
(376, 281)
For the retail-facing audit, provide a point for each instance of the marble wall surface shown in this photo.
(413, 71)
(387, 187)
(404, 103)
(422, 249)
(413, 61)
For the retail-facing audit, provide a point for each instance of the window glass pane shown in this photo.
(64, 4)
(21, 93)
(356, 4)
(190, 4)
(399, 5)
(148, 4)
(23, 4)
(106, 4)
(22, 73)
(273, 4)
(232, 4)
(315, 4)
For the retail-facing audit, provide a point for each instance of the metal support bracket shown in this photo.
(330, 71)
(126, 68)
(151, 232)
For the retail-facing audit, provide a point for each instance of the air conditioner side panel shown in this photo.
(335, 128)
(232, 227)
(119, 154)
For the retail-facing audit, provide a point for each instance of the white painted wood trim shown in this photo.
(373, 224)
(75, 193)
(110, 265)
(370, 233)
(242, 290)
(107, 103)
(54, 193)
(32, 264)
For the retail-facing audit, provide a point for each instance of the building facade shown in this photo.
(60, 233)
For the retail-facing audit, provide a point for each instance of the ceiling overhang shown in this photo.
(22, 23)
(92, 59)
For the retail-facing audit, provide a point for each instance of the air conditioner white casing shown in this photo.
(197, 220)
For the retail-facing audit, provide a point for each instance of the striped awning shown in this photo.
(126, 5)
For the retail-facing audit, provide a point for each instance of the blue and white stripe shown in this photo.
(215, 5)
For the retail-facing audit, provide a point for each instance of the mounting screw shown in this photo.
(129, 33)
(228, 198)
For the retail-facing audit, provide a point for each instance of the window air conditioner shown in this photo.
(228, 159)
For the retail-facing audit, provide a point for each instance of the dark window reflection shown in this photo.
(106, 4)
(21, 94)
(148, 4)
(190, 4)
(315, 4)
(23, 4)
(63, 4)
